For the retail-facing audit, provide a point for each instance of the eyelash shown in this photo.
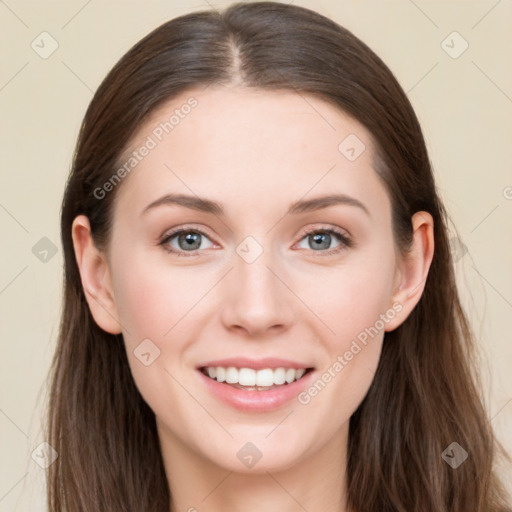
(346, 241)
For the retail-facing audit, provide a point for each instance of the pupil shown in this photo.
(191, 239)
(318, 238)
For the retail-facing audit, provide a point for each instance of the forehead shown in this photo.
(251, 145)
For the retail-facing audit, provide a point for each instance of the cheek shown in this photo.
(349, 298)
(152, 302)
(151, 299)
(156, 300)
(354, 307)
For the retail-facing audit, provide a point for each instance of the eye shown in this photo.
(320, 239)
(183, 240)
(187, 240)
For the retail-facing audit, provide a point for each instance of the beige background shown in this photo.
(464, 105)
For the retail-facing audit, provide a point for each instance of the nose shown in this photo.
(256, 297)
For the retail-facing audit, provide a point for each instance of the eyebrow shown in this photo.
(301, 206)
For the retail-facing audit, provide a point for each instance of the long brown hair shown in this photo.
(425, 394)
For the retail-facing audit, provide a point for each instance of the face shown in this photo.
(262, 276)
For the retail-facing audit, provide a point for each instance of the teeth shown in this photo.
(250, 377)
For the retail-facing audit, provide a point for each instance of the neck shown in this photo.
(314, 482)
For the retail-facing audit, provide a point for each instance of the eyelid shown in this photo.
(344, 237)
(326, 228)
(173, 232)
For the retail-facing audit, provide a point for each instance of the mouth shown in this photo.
(250, 379)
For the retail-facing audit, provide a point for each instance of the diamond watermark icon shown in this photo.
(249, 249)
(457, 249)
(351, 147)
(249, 455)
(44, 45)
(44, 250)
(454, 455)
(44, 455)
(147, 352)
(454, 45)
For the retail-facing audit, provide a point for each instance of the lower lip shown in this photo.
(257, 401)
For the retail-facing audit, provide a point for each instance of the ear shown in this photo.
(95, 277)
(412, 268)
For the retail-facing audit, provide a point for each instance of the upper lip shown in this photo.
(256, 364)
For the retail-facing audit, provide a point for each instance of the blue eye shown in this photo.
(186, 242)
(320, 239)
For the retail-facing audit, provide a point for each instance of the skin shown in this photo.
(255, 152)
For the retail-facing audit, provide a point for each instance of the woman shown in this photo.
(260, 309)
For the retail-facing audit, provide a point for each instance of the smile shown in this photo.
(251, 379)
(264, 387)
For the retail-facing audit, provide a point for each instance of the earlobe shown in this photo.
(414, 267)
(95, 277)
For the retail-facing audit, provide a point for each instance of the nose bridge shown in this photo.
(257, 300)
